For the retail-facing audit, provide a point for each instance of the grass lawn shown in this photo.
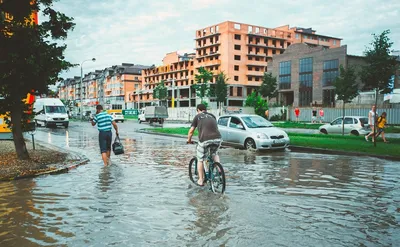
(334, 142)
(294, 125)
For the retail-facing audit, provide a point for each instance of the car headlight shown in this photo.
(262, 136)
(48, 118)
(285, 135)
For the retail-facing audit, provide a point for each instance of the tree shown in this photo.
(380, 67)
(346, 87)
(160, 91)
(255, 100)
(31, 57)
(221, 89)
(268, 86)
(203, 79)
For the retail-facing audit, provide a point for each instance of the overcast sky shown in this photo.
(143, 31)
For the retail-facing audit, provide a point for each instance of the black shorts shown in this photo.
(105, 138)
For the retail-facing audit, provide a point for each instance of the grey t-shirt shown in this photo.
(207, 126)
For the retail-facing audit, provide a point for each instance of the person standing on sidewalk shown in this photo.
(297, 113)
(321, 115)
(104, 123)
(371, 122)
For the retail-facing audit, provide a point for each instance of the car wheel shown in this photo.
(250, 144)
(140, 121)
(355, 132)
(66, 126)
(323, 131)
(122, 121)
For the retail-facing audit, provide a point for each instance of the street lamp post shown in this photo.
(81, 95)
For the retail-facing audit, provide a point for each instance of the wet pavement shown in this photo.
(145, 198)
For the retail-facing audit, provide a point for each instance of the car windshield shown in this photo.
(55, 109)
(256, 122)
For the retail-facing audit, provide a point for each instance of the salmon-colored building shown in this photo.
(241, 51)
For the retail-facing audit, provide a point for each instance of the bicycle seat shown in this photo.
(214, 146)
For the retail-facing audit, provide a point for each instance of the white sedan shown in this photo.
(117, 117)
(251, 132)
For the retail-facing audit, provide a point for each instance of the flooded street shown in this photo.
(145, 198)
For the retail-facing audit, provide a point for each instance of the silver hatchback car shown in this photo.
(355, 125)
(251, 132)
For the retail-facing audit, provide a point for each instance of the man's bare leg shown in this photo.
(105, 158)
(200, 170)
(108, 156)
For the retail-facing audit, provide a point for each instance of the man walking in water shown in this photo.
(104, 123)
(208, 135)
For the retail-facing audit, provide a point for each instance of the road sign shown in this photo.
(130, 112)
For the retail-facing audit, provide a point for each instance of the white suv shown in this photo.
(117, 116)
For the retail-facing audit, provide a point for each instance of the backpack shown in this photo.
(117, 146)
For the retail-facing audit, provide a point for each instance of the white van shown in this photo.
(50, 112)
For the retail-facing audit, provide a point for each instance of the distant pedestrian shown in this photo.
(297, 113)
(381, 124)
(104, 123)
(267, 113)
(371, 121)
(314, 115)
(321, 115)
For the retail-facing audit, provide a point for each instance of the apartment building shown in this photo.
(111, 87)
(177, 72)
(306, 74)
(241, 51)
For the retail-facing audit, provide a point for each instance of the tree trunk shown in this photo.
(19, 142)
(343, 119)
(376, 106)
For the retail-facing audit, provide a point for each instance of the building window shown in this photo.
(237, 36)
(306, 65)
(328, 97)
(236, 78)
(257, 78)
(237, 47)
(237, 26)
(237, 57)
(230, 91)
(330, 72)
(305, 81)
(285, 74)
(250, 78)
(334, 42)
(236, 67)
(240, 91)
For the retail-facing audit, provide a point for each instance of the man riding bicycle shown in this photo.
(209, 136)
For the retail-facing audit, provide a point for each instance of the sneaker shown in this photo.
(366, 138)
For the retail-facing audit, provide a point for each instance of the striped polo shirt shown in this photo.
(104, 121)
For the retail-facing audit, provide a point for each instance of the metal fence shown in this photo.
(393, 114)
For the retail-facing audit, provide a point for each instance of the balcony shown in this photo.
(258, 55)
(255, 73)
(209, 55)
(166, 73)
(281, 37)
(210, 63)
(209, 45)
(208, 36)
(265, 46)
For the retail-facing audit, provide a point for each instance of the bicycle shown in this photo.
(215, 176)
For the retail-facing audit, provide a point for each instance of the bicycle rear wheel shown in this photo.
(193, 174)
(218, 178)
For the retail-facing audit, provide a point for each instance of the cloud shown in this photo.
(142, 32)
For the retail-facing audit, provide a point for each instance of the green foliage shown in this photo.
(31, 57)
(203, 79)
(380, 64)
(268, 86)
(205, 103)
(346, 86)
(221, 88)
(160, 91)
(260, 105)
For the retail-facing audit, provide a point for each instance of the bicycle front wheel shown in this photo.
(193, 173)
(218, 179)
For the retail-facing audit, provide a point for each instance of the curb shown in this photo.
(78, 160)
(299, 148)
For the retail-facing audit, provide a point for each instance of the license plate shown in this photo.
(59, 123)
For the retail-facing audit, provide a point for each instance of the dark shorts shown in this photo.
(105, 138)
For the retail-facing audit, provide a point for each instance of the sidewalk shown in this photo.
(45, 159)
